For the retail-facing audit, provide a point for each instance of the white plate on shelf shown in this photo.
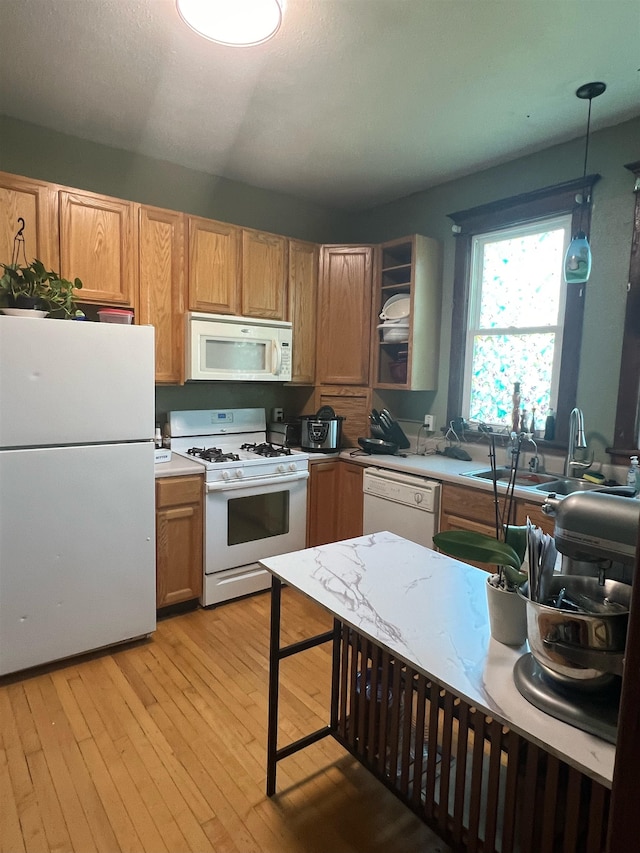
(24, 312)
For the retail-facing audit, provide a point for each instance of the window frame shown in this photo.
(478, 244)
(626, 438)
(572, 197)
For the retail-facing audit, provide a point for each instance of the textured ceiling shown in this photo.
(353, 103)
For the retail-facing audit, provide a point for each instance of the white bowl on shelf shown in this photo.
(395, 333)
(396, 307)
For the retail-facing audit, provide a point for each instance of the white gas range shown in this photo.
(255, 496)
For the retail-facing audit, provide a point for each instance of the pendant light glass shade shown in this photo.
(236, 23)
(577, 261)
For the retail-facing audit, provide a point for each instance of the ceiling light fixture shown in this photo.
(577, 262)
(236, 23)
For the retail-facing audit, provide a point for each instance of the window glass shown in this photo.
(515, 322)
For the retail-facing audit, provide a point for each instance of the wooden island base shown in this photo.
(474, 780)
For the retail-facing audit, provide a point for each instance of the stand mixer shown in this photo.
(573, 671)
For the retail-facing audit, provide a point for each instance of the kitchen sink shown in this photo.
(523, 478)
(566, 486)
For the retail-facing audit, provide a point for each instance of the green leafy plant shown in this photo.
(507, 555)
(507, 549)
(40, 286)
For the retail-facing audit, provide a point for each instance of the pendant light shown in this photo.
(234, 23)
(577, 262)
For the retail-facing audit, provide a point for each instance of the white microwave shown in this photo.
(237, 349)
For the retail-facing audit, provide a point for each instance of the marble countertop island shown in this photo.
(430, 610)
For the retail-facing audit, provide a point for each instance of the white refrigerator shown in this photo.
(77, 502)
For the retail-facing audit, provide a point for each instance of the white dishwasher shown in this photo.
(405, 504)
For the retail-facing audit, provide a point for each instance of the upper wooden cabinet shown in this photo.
(406, 356)
(302, 308)
(214, 266)
(161, 238)
(264, 270)
(236, 270)
(36, 202)
(344, 327)
(98, 245)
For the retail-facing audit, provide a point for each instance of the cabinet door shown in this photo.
(37, 203)
(351, 507)
(161, 286)
(351, 403)
(322, 507)
(264, 270)
(303, 293)
(214, 266)
(344, 329)
(97, 245)
(179, 531)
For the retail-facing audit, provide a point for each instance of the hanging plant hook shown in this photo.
(18, 241)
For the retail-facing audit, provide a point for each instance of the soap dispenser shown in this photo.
(632, 476)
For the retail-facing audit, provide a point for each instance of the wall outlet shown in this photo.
(428, 422)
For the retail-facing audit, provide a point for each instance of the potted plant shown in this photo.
(34, 287)
(507, 609)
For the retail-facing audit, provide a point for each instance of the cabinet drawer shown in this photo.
(534, 511)
(171, 491)
(469, 503)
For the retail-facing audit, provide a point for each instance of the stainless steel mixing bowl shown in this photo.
(581, 648)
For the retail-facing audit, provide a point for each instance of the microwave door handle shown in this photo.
(278, 357)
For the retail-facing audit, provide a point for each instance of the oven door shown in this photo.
(248, 520)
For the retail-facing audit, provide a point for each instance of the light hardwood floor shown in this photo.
(161, 746)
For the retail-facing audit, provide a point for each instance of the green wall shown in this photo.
(36, 152)
(611, 229)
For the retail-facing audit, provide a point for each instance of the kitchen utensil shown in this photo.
(395, 333)
(574, 647)
(396, 307)
(374, 425)
(321, 432)
(378, 445)
(393, 431)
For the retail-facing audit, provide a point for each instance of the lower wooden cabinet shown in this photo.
(179, 535)
(466, 508)
(335, 501)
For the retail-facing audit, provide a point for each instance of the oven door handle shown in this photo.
(251, 483)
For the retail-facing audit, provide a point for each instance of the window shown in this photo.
(515, 321)
(490, 330)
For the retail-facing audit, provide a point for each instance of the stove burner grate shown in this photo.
(266, 449)
(213, 454)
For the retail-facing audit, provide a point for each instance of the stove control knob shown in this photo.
(292, 466)
(239, 474)
(225, 475)
(280, 469)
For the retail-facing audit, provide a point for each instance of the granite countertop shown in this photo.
(431, 611)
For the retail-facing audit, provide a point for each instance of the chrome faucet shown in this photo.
(576, 441)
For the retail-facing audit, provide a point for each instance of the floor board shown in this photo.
(160, 745)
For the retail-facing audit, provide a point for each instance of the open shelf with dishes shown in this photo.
(407, 302)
